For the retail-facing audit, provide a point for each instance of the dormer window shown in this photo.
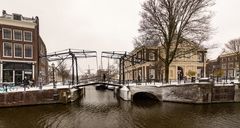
(17, 17)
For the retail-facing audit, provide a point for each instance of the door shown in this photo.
(18, 77)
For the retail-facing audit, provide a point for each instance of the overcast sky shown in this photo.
(108, 24)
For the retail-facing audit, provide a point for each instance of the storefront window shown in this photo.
(20, 69)
(7, 75)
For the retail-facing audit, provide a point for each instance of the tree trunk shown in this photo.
(166, 73)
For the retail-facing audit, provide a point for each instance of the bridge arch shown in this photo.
(146, 96)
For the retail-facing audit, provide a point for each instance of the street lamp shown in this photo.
(204, 58)
(53, 70)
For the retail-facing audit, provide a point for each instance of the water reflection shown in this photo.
(101, 109)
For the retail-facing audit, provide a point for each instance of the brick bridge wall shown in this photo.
(34, 97)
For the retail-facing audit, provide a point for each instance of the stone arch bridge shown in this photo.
(196, 93)
(149, 91)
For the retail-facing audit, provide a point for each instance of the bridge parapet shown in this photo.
(188, 93)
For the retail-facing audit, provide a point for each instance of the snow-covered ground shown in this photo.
(21, 89)
(159, 84)
(60, 85)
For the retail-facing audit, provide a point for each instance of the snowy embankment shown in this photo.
(28, 88)
(159, 84)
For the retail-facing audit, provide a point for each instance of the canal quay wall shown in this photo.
(38, 97)
(196, 93)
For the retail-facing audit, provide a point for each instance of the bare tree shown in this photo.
(112, 72)
(145, 40)
(180, 26)
(62, 71)
(158, 66)
(234, 46)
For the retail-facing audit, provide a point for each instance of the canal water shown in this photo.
(102, 109)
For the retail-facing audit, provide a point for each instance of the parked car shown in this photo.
(234, 81)
(205, 79)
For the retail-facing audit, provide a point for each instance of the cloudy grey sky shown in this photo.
(108, 24)
(83, 24)
(227, 24)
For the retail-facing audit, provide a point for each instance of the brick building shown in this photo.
(21, 47)
(228, 62)
(143, 64)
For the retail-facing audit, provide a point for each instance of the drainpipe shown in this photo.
(120, 61)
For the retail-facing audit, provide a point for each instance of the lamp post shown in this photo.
(53, 70)
(204, 59)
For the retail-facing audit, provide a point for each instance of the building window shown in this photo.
(200, 57)
(7, 75)
(7, 49)
(18, 52)
(223, 66)
(17, 17)
(222, 59)
(7, 33)
(151, 56)
(230, 65)
(17, 35)
(139, 56)
(28, 51)
(135, 59)
(27, 36)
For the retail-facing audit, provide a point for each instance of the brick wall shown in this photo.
(34, 97)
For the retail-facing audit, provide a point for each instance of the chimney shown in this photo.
(4, 12)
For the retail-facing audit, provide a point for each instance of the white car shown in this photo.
(235, 81)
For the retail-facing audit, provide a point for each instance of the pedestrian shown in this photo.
(25, 83)
(31, 82)
(40, 82)
(151, 78)
(104, 77)
(139, 78)
(185, 79)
